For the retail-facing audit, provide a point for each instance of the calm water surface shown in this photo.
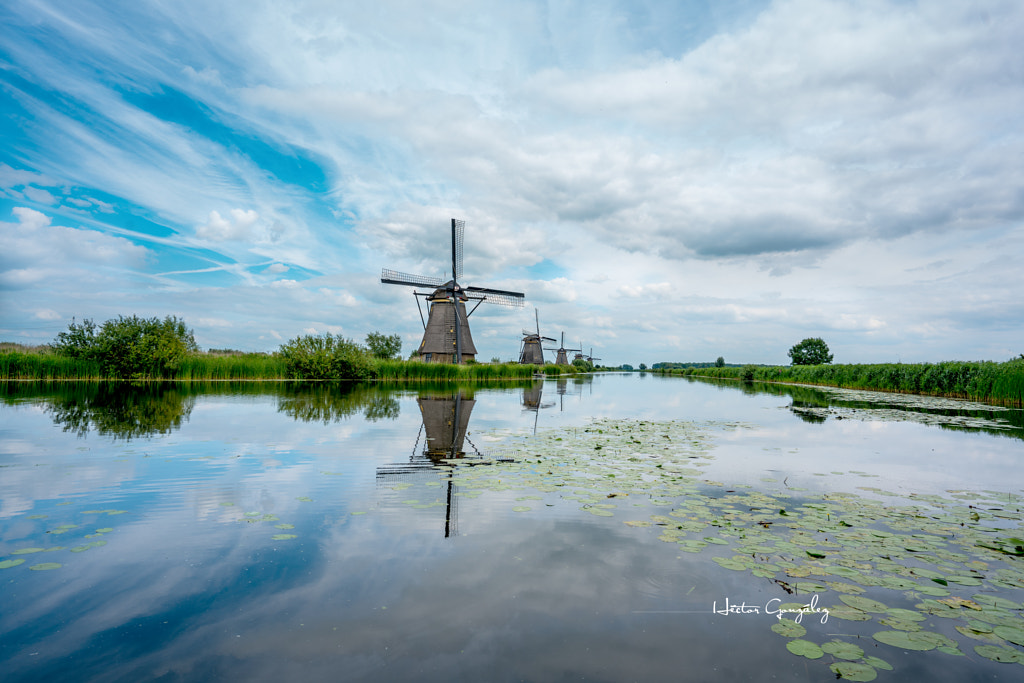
(267, 532)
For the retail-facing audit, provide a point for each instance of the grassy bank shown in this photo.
(44, 365)
(1001, 383)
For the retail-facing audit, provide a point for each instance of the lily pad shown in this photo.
(7, 564)
(1000, 653)
(282, 537)
(788, 628)
(804, 648)
(45, 566)
(838, 648)
(853, 671)
(862, 603)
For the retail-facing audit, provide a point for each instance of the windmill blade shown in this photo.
(393, 277)
(458, 233)
(502, 297)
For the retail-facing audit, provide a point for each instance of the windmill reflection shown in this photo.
(533, 400)
(443, 436)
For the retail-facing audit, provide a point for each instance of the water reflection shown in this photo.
(442, 437)
(816, 405)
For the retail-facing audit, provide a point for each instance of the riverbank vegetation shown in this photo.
(976, 380)
(131, 348)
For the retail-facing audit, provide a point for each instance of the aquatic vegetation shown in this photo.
(883, 567)
(976, 380)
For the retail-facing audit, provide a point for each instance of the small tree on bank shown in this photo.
(384, 346)
(720, 362)
(811, 351)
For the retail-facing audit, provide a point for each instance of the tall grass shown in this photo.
(242, 366)
(976, 380)
(44, 365)
(407, 370)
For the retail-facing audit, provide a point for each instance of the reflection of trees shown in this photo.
(123, 411)
(814, 405)
(333, 401)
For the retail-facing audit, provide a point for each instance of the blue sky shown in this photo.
(664, 181)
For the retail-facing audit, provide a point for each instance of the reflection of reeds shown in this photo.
(982, 381)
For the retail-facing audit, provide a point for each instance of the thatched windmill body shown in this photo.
(532, 351)
(446, 335)
(561, 353)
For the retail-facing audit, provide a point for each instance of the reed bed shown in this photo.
(20, 365)
(1001, 383)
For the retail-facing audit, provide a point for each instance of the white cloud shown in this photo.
(239, 226)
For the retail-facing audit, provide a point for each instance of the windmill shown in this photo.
(531, 352)
(446, 337)
(591, 356)
(561, 358)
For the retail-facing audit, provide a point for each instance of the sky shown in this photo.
(664, 181)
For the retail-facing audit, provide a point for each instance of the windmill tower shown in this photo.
(561, 357)
(532, 352)
(446, 336)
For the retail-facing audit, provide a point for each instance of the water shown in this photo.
(276, 532)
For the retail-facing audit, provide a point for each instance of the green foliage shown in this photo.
(720, 362)
(811, 351)
(643, 366)
(384, 346)
(78, 342)
(748, 372)
(129, 347)
(326, 356)
(977, 380)
(583, 365)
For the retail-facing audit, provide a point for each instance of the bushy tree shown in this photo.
(130, 347)
(583, 365)
(720, 362)
(384, 346)
(326, 357)
(811, 351)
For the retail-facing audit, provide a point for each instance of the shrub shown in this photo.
(326, 357)
(129, 347)
(748, 372)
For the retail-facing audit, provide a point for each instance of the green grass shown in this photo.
(43, 364)
(976, 380)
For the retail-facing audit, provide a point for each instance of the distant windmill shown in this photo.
(532, 353)
(446, 337)
(561, 358)
(591, 356)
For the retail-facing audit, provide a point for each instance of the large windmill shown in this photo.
(446, 337)
(532, 352)
(561, 357)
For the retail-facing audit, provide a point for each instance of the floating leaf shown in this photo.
(804, 648)
(284, 526)
(838, 648)
(788, 628)
(862, 603)
(877, 663)
(853, 671)
(44, 566)
(1000, 653)
(282, 537)
(521, 508)
(1014, 634)
(6, 564)
(28, 551)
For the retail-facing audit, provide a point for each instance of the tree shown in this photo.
(384, 346)
(130, 347)
(811, 351)
(643, 366)
(720, 362)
